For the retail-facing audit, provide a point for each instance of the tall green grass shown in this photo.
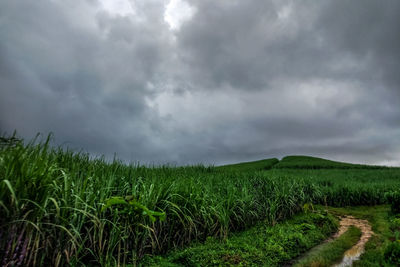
(347, 187)
(52, 205)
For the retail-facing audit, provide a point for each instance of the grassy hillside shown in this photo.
(297, 162)
(259, 165)
(306, 162)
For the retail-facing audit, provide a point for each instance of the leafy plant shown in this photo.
(392, 253)
(130, 205)
(395, 224)
(308, 207)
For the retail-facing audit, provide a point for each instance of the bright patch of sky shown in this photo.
(178, 12)
(285, 12)
(118, 7)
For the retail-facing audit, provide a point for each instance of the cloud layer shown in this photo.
(205, 81)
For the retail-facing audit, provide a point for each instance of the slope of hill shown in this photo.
(306, 162)
(259, 165)
(296, 162)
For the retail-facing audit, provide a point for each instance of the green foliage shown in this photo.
(392, 253)
(61, 207)
(307, 207)
(262, 245)
(130, 206)
(395, 224)
(9, 141)
(393, 199)
(329, 253)
(346, 187)
(52, 205)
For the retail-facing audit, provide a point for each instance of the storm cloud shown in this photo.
(201, 81)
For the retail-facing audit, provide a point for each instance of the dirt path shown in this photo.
(355, 252)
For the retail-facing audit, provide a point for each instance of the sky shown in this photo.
(204, 81)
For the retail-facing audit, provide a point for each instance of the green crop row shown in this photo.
(347, 187)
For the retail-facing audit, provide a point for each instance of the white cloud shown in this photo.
(118, 7)
(178, 12)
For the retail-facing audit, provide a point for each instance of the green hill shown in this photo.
(259, 165)
(295, 162)
(306, 162)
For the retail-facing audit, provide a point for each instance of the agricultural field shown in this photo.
(60, 207)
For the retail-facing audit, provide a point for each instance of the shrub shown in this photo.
(395, 224)
(392, 253)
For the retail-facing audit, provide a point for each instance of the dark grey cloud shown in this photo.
(239, 80)
(80, 73)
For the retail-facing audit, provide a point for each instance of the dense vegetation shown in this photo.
(329, 253)
(62, 207)
(348, 187)
(53, 205)
(262, 245)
